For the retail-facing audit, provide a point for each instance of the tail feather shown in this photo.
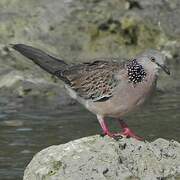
(44, 60)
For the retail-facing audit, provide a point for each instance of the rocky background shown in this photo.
(77, 31)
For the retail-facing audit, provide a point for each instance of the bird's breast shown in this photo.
(127, 96)
(132, 95)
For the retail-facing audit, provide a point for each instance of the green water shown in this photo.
(27, 127)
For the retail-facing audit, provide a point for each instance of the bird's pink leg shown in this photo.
(127, 132)
(105, 128)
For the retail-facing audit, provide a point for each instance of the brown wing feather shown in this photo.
(95, 80)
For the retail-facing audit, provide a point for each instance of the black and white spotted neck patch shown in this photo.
(136, 72)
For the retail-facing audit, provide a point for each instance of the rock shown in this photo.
(101, 158)
(12, 123)
(22, 85)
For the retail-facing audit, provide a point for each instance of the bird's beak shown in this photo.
(164, 68)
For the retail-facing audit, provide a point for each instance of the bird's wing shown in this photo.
(92, 81)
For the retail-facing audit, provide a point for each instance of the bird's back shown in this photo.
(92, 81)
(105, 87)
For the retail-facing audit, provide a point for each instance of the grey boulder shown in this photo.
(102, 158)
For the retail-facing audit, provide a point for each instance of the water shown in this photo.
(26, 127)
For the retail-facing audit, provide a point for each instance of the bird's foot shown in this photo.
(106, 130)
(129, 133)
(126, 131)
(113, 135)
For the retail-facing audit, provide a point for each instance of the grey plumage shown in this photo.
(106, 88)
(94, 80)
(44, 60)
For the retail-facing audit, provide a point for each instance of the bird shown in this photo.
(106, 87)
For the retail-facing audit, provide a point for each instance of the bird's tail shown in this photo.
(44, 60)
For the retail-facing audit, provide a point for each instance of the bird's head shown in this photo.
(153, 60)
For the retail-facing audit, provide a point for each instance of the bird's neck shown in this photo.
(136, 72)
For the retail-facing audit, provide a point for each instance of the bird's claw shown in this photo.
(116, 136)
(128, 133)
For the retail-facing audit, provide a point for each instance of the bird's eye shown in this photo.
(152, 59)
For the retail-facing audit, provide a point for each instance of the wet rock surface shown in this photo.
(80, 30)
(103, 158)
